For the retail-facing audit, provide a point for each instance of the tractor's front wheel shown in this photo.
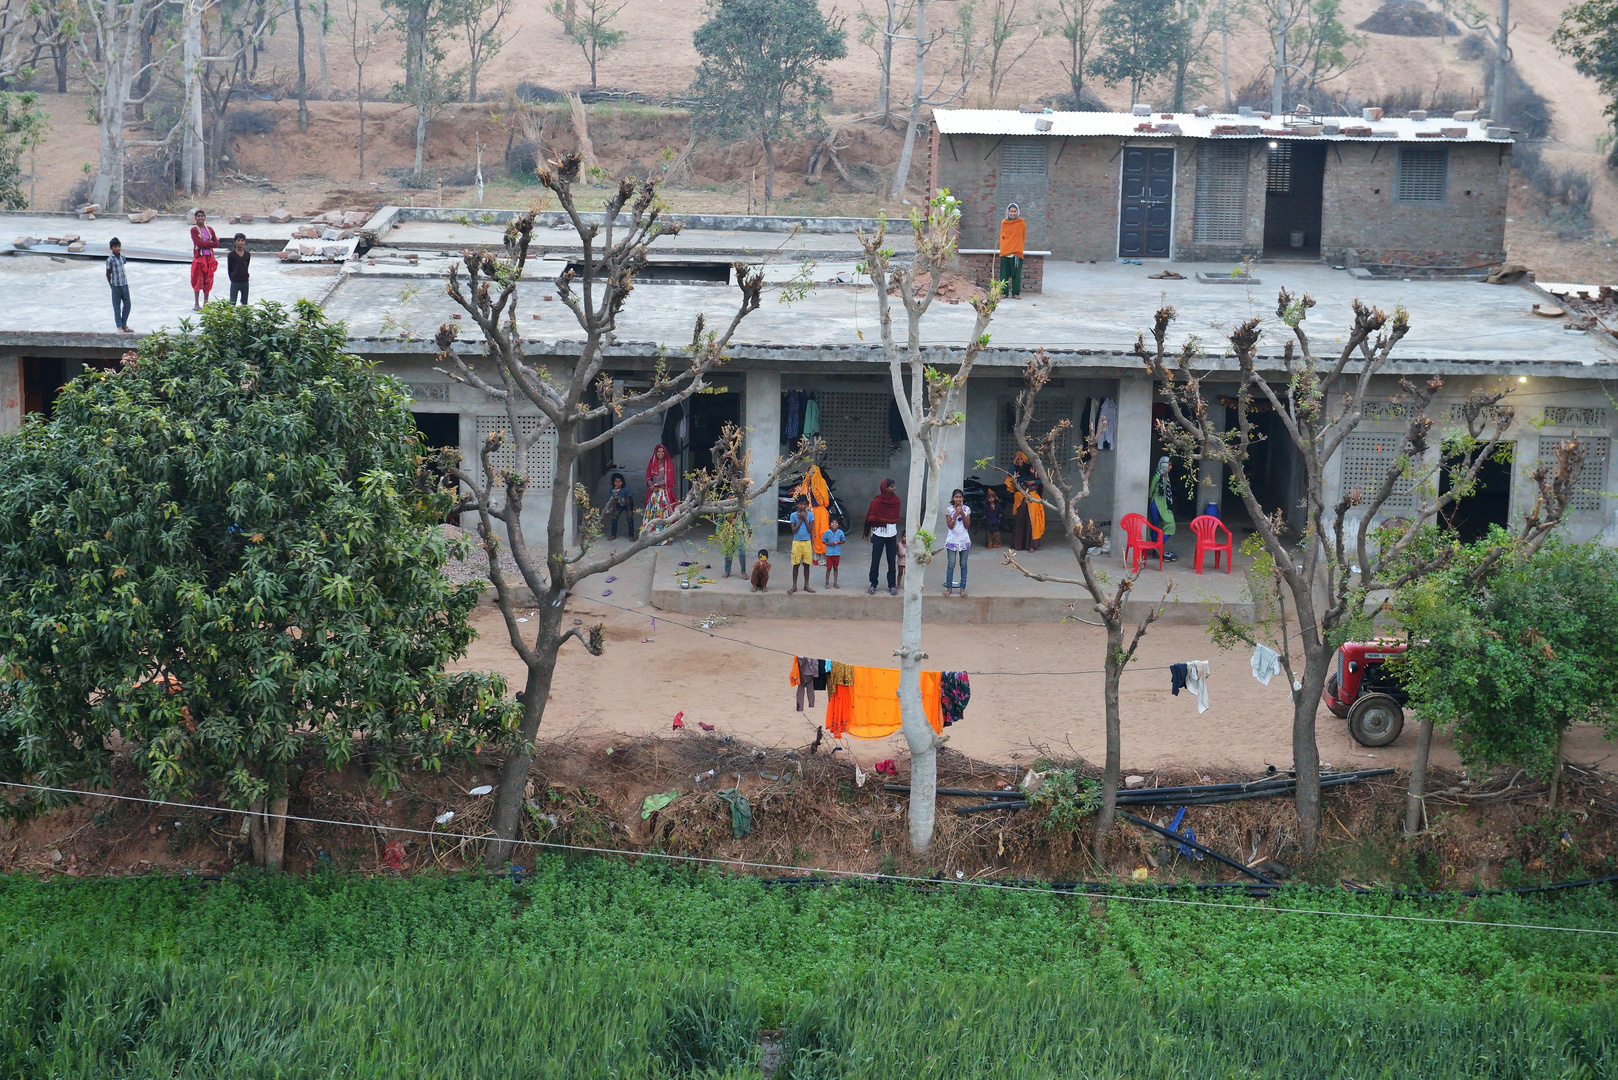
(1375, 720)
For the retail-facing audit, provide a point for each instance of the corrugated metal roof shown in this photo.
(1218, 125)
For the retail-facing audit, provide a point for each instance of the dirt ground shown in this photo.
(647, 676)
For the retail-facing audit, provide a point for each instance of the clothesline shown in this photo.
(788, 652)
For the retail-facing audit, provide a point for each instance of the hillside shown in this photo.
(658, 60)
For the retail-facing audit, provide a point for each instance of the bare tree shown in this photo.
(1340, 554)
(108, 38)
(595, 293)
(928, 405)
(1499, 34)
(19, 44)
(1078, 29)
(1063, 492)
(234, 29)
(480, 21)
(879, 37)
(361, 33)
(921, 96)
(1007, 20)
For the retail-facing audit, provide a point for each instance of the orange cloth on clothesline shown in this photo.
(839, 710)
(874, 710)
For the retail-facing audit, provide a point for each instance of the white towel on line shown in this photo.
(1196, 681)
(1266, 663)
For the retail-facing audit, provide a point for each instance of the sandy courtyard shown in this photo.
(1026, 696)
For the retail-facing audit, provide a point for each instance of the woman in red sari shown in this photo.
(660, 486)
(203, 262)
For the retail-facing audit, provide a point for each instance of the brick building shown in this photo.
(1391, 194)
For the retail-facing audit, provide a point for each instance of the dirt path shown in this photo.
(649, 675)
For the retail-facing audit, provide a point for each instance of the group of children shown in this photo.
(204, 264)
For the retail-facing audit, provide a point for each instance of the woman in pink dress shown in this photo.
(659, 486)
(203, 262)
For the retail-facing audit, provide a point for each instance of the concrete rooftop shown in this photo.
(1089, 314)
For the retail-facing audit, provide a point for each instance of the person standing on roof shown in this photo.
(203, 262)
(118, 280)
(1013, 237)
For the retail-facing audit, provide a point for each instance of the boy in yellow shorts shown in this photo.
(803, 552)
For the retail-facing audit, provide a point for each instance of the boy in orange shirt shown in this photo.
(1013, 236)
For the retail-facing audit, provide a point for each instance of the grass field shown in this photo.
(598, 968)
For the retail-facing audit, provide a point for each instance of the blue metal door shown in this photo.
(1146, 203)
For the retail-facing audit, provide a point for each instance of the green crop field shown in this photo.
(602, 969)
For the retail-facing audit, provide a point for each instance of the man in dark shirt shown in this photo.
(236, 264)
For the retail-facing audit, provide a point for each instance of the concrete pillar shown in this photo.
(761, 411)
(953, 470)
(1209, 486)
(11, 391)
(1132, 447)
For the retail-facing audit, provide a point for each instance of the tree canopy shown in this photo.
(1512, 649)
(220, 553)
(1139, 40)
(762, 74)
(1589, 34)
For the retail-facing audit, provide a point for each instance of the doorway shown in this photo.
(1292, 201)
(1146, 203)
(1489, 502)
(42, 380)
(438, 430)
(711, 410)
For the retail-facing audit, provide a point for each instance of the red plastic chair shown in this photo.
(1208, 529)
(1135, 527)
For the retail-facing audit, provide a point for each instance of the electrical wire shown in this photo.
(849, 874)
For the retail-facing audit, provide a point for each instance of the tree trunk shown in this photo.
(1416, 801)
(1305, 750)
(1556, 773)
(769, 173)
(320, 46)
(1278, 85)
(1114, 766)
(472, 81)
(922, 741)
(884, 88)
(193, 178)
(359, 93)
(59, 61)
(901, 175)
(303, 76)
(421, 136)
(1224, 68)
(1502, 65)
(508, 799)
(415, 42)
(267, 827)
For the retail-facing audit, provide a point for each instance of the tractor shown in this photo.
(1364, 692)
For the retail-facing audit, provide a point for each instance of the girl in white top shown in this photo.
(957, 541)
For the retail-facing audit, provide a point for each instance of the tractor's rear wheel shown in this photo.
(1375, 720)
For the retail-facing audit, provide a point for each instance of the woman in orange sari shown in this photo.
(819, 495)
(1027, 512)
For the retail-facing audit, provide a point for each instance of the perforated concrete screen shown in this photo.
(1592, 479)
(1280, 169)
(541, 459)
(1366, 460)
(854, 424)
(1047, 411)
(1423, 174)
(1221, 207)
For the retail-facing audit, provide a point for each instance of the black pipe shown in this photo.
(1172, 835)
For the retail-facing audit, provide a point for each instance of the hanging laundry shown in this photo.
(1109, 417)
(811, 416)
(802, 676)
(954, 692)
(839, 711)
(875, 706)
(1176, 678)
(792, 427)
(822, 670)
(1196, 681)
(1266, 663)
(838, 674)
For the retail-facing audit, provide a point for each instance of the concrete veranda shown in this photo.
(997, 592)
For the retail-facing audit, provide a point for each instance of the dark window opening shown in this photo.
(1489, 501)
(42, 380)
(438, 430)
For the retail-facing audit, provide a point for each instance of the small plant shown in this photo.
(1066, 797)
